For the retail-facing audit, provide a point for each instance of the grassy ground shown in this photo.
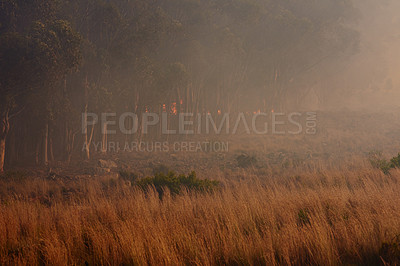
(325, 217)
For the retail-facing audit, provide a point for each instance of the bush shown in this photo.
(175, 183)
(395, 161)
(378, 162)
(382, 164)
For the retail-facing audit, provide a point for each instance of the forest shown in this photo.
(61, 59)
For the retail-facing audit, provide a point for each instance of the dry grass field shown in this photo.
(348, 216)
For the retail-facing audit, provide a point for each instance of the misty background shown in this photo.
(59, 60)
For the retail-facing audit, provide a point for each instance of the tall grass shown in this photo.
(326, 218)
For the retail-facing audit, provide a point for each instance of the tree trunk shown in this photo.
(45, 144)
(4, 128)
(37, 151)
(51, 149)
(66, 141)
(104, 143)
(2, 153)
(71, 146)
(88, 138)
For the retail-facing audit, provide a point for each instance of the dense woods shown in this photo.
(62, 59)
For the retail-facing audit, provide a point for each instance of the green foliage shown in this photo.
(382, 164)
(175, 183)
(58, 48)
(395, 161)
(245, 160)
(377, 161)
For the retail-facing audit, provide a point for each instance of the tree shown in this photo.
(15, 60)
(58, 46)
(33, 61)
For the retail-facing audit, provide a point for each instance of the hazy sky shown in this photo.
(379, 55)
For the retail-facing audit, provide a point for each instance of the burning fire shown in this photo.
(174, 110)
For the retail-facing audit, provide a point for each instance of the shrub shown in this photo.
(175, 183)
(382, 164)
(378, 162)
(395, 161)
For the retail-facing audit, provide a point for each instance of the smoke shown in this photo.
(371, 79)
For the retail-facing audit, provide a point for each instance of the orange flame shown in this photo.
(174, 110)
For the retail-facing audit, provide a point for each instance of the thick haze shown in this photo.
(372, 78)
(60, 60)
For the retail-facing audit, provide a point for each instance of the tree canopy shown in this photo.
(61, 58)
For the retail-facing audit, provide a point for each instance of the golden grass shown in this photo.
(325, 218)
